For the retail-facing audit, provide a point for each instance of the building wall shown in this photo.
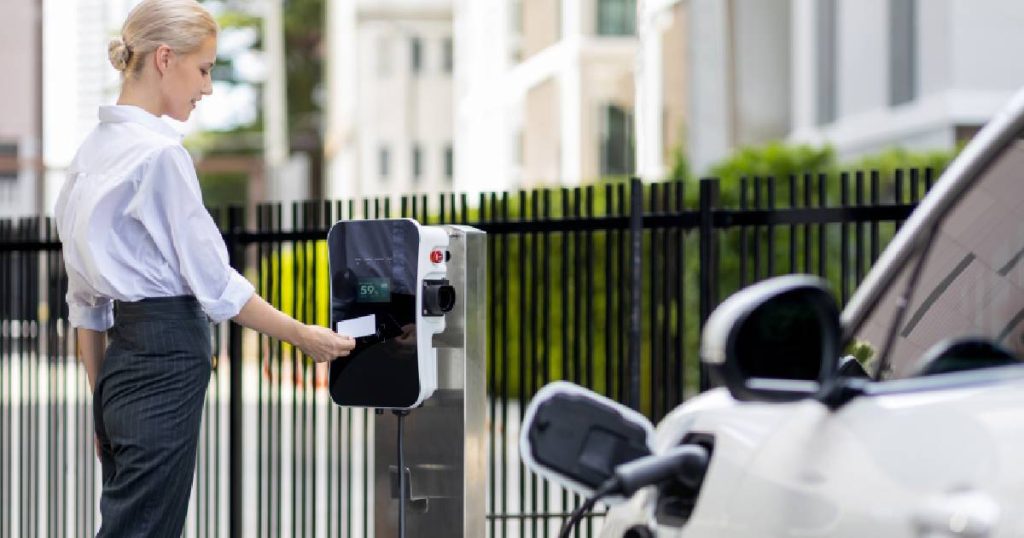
(987, 41)
(531, 86)
(862, 53)
(965, 67)
(391, 107)
(739, 76)
(529, 95)
(20, 59)
(934, 29)
(710, 134)
(607, 80)
(756, 73)
(488, 107)
(674, 90)
(762, 42)
(539, 137)
(540, 25)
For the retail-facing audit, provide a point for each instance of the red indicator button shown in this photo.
(436, 256)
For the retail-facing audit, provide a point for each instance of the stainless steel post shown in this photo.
(445, 440)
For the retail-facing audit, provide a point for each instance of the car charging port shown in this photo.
(638, 531)
(438, 297)
(676, 498)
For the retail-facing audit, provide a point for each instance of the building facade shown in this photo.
(861, 75)
(20, 109)
(733, 61)
(921, 74)
(488, 95)
(389, 125)
(546, 90)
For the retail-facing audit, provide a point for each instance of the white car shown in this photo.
(927, 441)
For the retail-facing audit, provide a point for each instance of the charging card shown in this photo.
(356, 327)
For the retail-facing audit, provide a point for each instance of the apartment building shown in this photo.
(731, 59)
(868, 74)
(862, 75)
(389, 119)
(545, 91)
(485, 95)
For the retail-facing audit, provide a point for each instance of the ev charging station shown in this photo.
(414, 298)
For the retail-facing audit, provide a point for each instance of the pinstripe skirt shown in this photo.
(147, 406)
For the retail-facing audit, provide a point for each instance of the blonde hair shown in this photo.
(182, 25)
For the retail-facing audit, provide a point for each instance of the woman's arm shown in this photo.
(320, 343)
(92, 345)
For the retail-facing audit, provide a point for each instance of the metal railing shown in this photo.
(605, 285)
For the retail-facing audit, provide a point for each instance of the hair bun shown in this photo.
(118, 53)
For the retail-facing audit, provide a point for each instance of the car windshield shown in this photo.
(972, 282)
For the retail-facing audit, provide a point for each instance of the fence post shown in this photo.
(236, 256)
(636, 235)
(708, 259)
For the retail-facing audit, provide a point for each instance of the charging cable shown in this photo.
(609, 487)
(685, 463)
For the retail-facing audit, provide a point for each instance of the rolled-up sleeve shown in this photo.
(86, 310)
(170, 206)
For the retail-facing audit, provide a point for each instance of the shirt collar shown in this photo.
(134, 114)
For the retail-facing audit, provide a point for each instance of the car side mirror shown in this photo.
(777, 340)
(576, 437)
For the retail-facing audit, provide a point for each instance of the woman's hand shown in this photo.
(320, 343)
(323, 344)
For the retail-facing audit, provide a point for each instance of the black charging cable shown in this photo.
(685, 463)
(610, 486)
(402, 485)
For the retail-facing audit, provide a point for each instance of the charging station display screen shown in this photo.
(373, 296)
(373, 290)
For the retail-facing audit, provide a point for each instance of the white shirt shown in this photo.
(133, 225)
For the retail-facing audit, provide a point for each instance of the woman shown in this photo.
(147, 267)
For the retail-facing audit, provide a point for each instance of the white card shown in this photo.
(357, 327)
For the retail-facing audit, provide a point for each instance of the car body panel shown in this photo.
(874, 467)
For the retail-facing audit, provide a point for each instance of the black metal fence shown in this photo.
(606, 286)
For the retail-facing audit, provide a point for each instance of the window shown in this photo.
(516, 17)
(8, 162)
(384, 161)
(902, 51)
(516, 30)
(416, 54)
(616, 141)
(971, 282)
(417, 162)
(616, 17)
(826, 61)
(449, 162)
(449, 55)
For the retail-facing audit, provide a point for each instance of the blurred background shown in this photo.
(326, 99)
(517, 101)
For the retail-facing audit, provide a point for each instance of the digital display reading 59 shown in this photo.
(373, 290)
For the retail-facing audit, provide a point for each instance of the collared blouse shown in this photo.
(133, 224)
